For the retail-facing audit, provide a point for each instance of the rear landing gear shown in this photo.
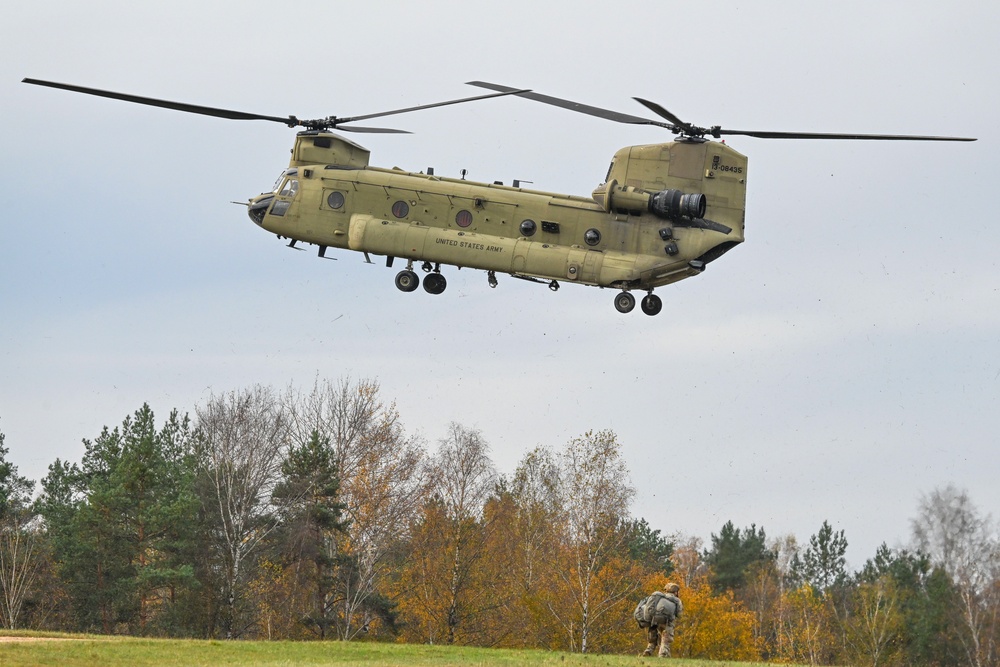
(651, 304)
(625, 302)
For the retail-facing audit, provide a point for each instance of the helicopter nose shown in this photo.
(258, 208)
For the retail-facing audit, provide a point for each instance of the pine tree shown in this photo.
(308, 498)
(823, 564)
(648, 547)
(122, 524)
(733, 554)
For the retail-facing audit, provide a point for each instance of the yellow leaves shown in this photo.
(808, 630)
(713, 627)
(875, 629)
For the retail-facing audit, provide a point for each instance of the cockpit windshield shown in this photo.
(277, 189)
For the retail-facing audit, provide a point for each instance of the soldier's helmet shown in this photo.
(673, 588)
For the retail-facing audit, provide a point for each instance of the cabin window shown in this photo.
(528, 227)
(335, 200)
(463, 218)
(400, 209)
(592, 237)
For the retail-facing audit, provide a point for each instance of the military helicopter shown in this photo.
(664, 212)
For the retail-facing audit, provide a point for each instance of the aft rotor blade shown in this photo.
(291, 121)
(663, 113)
(763, 134)
(351, 119)
(572, 106)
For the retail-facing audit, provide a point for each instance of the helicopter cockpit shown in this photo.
(286, 187)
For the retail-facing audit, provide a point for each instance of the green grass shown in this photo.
(94, 651)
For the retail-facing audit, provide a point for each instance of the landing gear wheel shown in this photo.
(434, 283)
(624, 302)
(407, 281)
(651, 304)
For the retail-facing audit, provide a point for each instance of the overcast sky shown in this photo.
(841, 362)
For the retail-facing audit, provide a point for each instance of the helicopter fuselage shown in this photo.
(663, 213)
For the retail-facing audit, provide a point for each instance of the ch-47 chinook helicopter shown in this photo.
(663, 213)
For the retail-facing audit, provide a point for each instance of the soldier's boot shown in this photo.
(648, 652)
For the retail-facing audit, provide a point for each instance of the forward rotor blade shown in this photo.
(370, 130)
(572, 106)
(352, 119)
(291, 121)
(763, 134)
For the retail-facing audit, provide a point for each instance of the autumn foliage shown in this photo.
(313, 515)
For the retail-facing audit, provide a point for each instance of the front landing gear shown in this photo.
(435, 283)
(407, 280)
(625, 302)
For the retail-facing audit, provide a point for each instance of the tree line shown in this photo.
(314, 515)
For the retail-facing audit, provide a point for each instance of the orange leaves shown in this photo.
(713, 627)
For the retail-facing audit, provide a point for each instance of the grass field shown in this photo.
(94, 651)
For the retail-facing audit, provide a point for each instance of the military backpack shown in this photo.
(656, 609)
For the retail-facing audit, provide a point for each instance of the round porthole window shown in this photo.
(528, 227)
(335, 200)
(592, 237)
(400, 209)
(463, 218)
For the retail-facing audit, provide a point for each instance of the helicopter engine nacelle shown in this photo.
(675, 204)
(669, 204)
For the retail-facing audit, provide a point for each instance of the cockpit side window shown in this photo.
(290, 187)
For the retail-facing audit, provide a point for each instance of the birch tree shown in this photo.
(443, 584)
(382, 476)
(19, 564)
(595, 499)
(242, 438)
(950, 529)
(535, 489)
(464, 477)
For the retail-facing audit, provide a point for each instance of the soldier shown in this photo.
(657, 614)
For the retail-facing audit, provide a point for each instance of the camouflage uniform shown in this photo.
(661, 631)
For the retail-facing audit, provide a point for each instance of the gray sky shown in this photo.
(841, 362)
